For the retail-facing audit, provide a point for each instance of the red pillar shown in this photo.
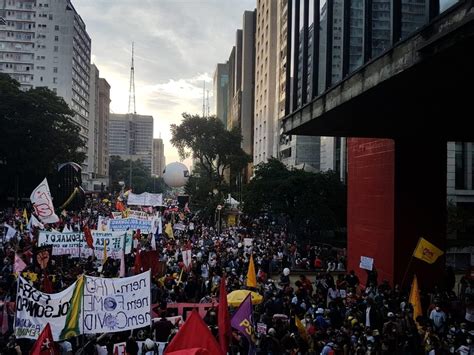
(396, 194)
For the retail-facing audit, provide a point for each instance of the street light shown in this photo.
(219, 207)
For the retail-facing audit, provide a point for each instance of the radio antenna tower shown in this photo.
(204, 99)
(131, 90)
(208, 109)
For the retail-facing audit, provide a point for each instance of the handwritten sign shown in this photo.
(124, 224)
(115, 305)
(34, 309)
(74, 244)
(366, 263)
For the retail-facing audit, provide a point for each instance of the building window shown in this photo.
(460, 162)
(55, 80)
(56, 38)
(55, 70)
(56, 28)
(56, 48)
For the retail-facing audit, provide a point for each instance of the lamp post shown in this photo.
(219, 207)
(130, 178)
(130, 151)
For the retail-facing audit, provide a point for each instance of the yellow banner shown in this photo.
(426, 251)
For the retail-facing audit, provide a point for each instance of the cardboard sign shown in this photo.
(366, 263)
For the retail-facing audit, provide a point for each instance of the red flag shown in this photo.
(138, 262)
(45, 343)
(193, 351)
(88, 235)
(119, 206)
(47, 284)
(194, 334)
(225, 331)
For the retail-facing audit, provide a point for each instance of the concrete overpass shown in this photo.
(403, 107)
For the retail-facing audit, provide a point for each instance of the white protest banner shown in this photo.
(261, 328)
(139, 215)
(248, 242)
(10, 232)
(74, 244)
(128, 242)
(145, 199)
(366, 263)
(179, 226)
(114, 242)
(34, 309)
(117, 215)
(103, 224)
(43, 203)
(63, 243)
(124, 224)
(114, 305)
(119, 348)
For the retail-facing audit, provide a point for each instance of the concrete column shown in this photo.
(396, 194)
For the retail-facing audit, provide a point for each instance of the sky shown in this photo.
(177, 46)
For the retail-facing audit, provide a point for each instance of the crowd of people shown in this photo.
(310, 305)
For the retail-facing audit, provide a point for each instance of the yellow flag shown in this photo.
(301, 328)
(105, 252)
(426, 251)
(72, 324)
(415, 299)
(251, 276)
(169, 230)
(25, 215)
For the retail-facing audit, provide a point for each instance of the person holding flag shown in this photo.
(243, 322)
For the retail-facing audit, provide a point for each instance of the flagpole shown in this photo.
(406, 271)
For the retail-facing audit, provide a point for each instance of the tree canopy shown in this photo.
(316, 201)
(142, 181)
(208, 141)
(218, 153)
(38, 135)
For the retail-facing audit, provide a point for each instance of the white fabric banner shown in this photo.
(64, 243)
(34, 309)
(74, 244)
(124, 224)
(114, 305)
(145, 199)
(10, 232)
(43, 203)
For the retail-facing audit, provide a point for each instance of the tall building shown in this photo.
(266, 118)
(45, 44)
(159, 160)
(93, 139)
(221, 94)
(103, 132)
(131, 137)
(242, 85)
(17, 40)
(302, 152)
(99, 107)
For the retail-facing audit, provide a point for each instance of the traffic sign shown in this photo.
(219, 207)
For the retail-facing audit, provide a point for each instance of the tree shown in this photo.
(207, 140)
(38, 135)
(142, 181)
(217, 150)
(311, 201)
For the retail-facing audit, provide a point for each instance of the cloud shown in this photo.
(177, 46)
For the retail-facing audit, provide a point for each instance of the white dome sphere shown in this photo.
(176, 174)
